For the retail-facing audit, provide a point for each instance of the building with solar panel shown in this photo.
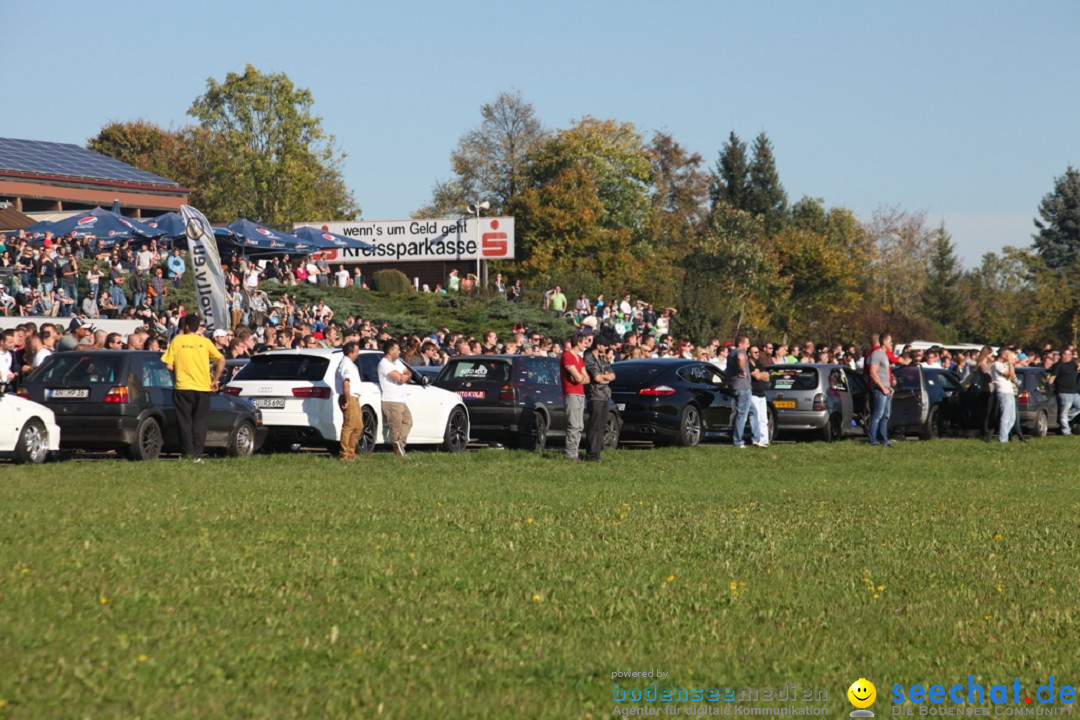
(45, 177)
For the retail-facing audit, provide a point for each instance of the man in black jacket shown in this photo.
(598, 392)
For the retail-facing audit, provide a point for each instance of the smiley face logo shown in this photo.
(862, 693)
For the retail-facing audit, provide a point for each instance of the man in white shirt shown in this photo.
(393, 374)
(348, 388)
(144, 259)
(342, 276)
(7, 356)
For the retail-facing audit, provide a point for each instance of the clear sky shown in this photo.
(964, 109)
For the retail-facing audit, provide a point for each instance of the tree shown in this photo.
(1058, 239)
(731, 178)
(900, 261)
(280, 165)
(765, 195)
(490, 161)
(823, 279)
(730, 282)
(941, 298)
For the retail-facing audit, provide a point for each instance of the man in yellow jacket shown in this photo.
(188, 358)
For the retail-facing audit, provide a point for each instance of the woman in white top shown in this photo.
(1002, 374)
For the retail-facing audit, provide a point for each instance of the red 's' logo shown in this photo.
(494, 244)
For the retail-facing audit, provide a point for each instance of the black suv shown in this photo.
(515, 400)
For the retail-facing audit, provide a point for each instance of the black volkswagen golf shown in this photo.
(122, 400)
(674, 401)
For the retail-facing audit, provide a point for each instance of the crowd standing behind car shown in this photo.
(132, 280)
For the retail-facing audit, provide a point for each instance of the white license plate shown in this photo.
(269, 403)
(67, 394)
(620, 406)
(472, 394)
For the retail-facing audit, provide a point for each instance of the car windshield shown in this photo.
(284, 367)
(793, 379)
(907, 378)
(478, 369)
(74, 368)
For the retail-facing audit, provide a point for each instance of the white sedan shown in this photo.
(28, 430)
(294, 389)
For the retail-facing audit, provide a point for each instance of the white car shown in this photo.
(294, 389)
(28, 430)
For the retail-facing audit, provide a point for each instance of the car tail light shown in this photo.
(1023, 398)
(234, 391)
(117, 395)
(508, 393)
(23, 393)
(819, 402)
(657, 391)
(311, 392)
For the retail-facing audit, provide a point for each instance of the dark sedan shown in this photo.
(122, 400)
(674, 401)
(1036, 403)
(515, 400)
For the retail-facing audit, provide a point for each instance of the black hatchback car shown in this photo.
(1036, 403)
(515, 400)
(674, 401)
(122, 400)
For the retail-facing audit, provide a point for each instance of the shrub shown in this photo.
(391, 281)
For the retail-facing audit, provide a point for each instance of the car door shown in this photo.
(545, 373)
(698, 381)
(8, 431)
(838, 384)
(907, 403)
(425, 410)
(951, 409)
(860, 405)
(151, 385)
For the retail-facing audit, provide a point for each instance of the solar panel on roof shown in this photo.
(71, 161)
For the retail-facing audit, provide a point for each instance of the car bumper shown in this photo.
(93, 431)
(801, 420)
(648, 425)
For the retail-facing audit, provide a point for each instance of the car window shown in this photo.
(541, 373)
(156, 375)
(478, 369)
(855, 381)
(1041, 384)
(73, 368)
(907, 378)
(838, 379)
(691, 374)
(369, 366)
(285, 367)
(947, 382)
(714, 376)
(793, 378)
(631, 373)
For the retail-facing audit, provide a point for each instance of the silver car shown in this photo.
(829, 400)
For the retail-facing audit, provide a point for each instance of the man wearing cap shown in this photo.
(348, 389)
(78, 331)
(188, 358)
(598, 391)
(221, 339)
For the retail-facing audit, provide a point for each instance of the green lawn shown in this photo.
(500, 584)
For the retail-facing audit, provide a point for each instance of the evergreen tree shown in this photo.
(731, 178)
(1058, 239)
(942, 299)
(765, 195)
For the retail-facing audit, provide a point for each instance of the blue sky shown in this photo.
(964, 110)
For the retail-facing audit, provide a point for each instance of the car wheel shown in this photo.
(456, 436)
(368, 436)
(536, 431)
(690, 426)
(33, 443)
(611, 432)
(932, 428)
(832, 430)
(1042, 424)
(148, 441)
(242, 440)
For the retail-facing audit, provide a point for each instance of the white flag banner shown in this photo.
(209, 280)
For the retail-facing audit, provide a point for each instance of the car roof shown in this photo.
(299, 351)
(663, 362)
(501, 356)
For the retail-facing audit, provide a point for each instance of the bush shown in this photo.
(391, 281)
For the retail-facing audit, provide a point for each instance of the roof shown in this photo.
(63, 161)
(12, 219)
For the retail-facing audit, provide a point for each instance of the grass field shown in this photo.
(499, 584)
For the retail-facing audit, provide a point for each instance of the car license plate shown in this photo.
(784, 404)
(269, 403)
(67, 394)
(620, 406)
(472, 394)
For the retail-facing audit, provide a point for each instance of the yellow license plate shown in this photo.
(785, 404)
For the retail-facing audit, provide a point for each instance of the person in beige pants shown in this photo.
(393, 375)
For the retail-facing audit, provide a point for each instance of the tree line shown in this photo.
(601, 207)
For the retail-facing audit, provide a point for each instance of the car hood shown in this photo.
(27, 407)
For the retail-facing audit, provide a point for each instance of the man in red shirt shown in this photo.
(574, 380)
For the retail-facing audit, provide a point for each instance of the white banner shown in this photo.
(209, 280)
(422, 240)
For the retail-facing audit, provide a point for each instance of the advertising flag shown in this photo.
(209, 280)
